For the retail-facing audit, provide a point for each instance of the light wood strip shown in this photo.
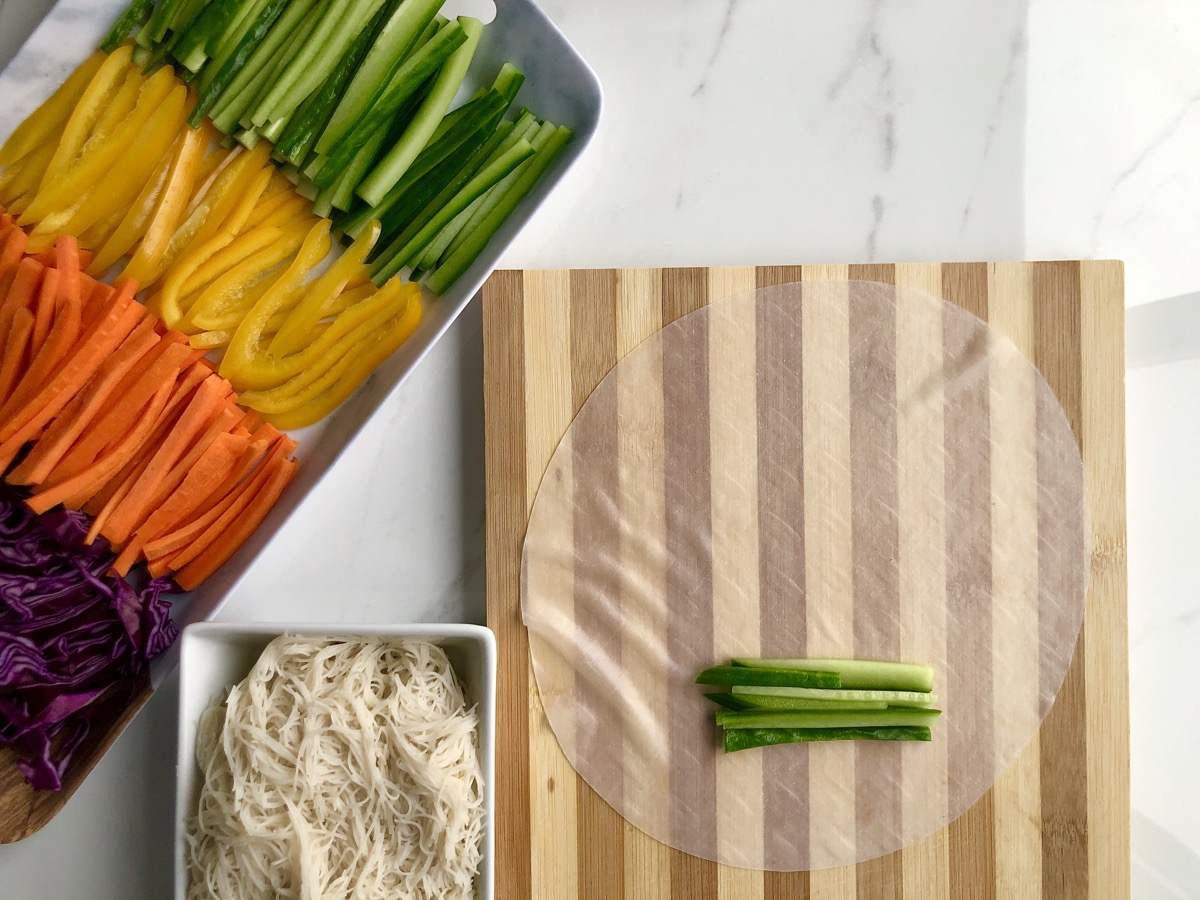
(647, 867)
(925, 864)
(733, 430)
(504, 410)
(548, 402)
(1106, 677)
(1017, 810)
(826, 430)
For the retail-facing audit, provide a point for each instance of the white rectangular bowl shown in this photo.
(559, 86)
(216, 655)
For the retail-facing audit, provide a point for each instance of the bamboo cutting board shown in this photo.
(1055, 825)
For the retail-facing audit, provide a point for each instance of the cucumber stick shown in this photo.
(218, 76)
(394, 43)
(196, 43)
(891, 698)
(769, 677)
(315, 59)
(857, 673)
(825, 718)
(474, 238)
(397, 160)
(136, 15)
(748, 738)
(752, 701)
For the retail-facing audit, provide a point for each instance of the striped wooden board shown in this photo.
(1055, 825)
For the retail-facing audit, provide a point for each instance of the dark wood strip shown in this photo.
(599, 829)
(781, 583)
(875, 533)
(969, 652)
(687, 463)
(1057, 353)
(504, 418)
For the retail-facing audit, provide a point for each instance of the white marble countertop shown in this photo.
(770, 132)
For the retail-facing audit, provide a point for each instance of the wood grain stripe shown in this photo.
(1016, 799)
(779, 342)
(1064, 784)
(553, 807)
(593, 353)
(1106, 676)
(827, 559)
(925, 861)
(504, 393)
(689, 570)
(875, 535)
(969, 669)
(638, 315)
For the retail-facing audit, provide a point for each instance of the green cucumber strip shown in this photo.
(136, 15)
(729, 701)
(477, 236)
(479, 183)
(222, 47)
(185, 13)
(343, 188)
(316, 59)
(248, 139)
(313, 115)
(410, 76)
(825, 718)
(749, 738)
(857, 673)
(752, 701)
(393, 166)
(155, 29)
(768, 677)
(395, 42)
(219, 76)
(271, 55)
(193, 48)
(437, 247)
(891, 698)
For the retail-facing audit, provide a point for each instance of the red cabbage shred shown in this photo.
(71, 632)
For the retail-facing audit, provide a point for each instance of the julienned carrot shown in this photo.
(78, 414)
(23, 292)
(229, 541)
(69, 262)
(44, 308)
(98, 296)
(13, 362)
(13, 251)
(108, 463)
(202, 410)
(160, 550)
(70, 377)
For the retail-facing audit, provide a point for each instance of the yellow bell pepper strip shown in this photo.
(228, 300)
(239, 249)
(99, 234)
(234, 189)
(45, 124)
(290, 337)
(195, 253)
(19, 182)
(209, 340)
(317, 377)
(129, 175)
(107, 81)
(280, 210)
(163, 214)
(317, 408)
(102, 150)
(120, 235)
(245, 344)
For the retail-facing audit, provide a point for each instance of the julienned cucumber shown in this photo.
(825, 718)
(748, 738)
(891, 698)
(753, 701)
(857, 673)
(738, 675)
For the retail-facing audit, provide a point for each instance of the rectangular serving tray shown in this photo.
(559, 86)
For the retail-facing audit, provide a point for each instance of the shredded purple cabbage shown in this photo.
(71, 632)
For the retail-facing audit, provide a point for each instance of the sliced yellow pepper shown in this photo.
(107, 81)
(161, 217)
(290, 337)
(245, 344)
(208, 340)
(240, 248)
(100, 154)
(20, 180)
(47, 122)
(361, 365)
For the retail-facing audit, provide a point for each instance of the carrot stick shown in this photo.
(43, 311)
(95, 475)
(15, 242)
(202, 410)
(229, 540)
(98, 296)
(78, 414)
(75, 371)
(23, 292)
(69, 263)
(13, 363)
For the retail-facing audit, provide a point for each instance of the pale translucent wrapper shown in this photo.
(840, 469)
